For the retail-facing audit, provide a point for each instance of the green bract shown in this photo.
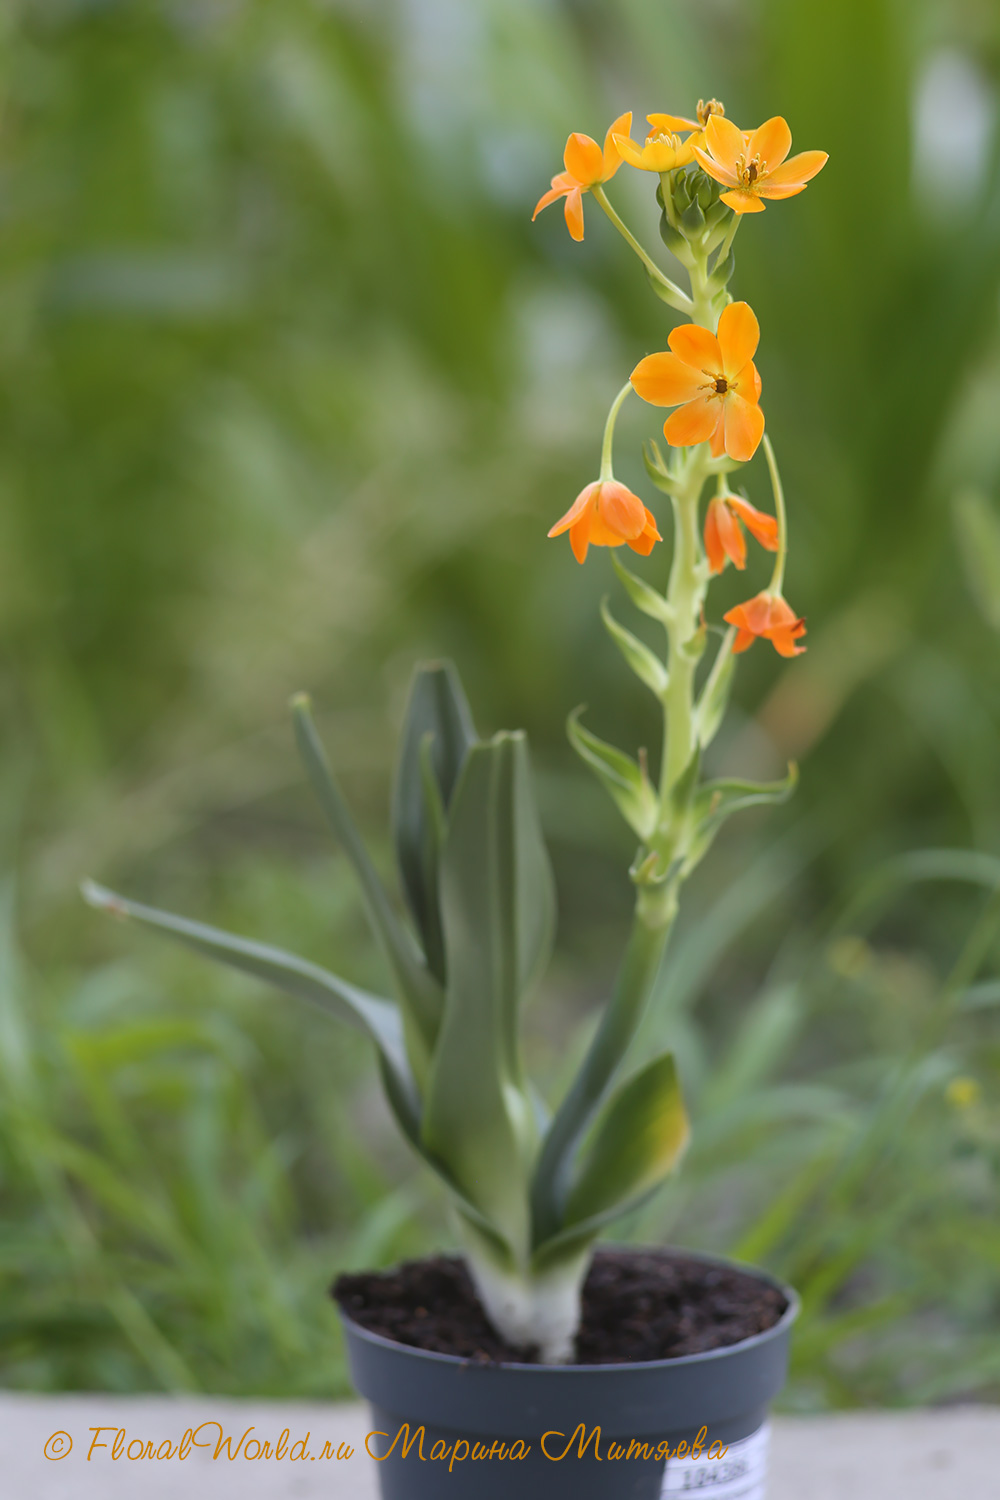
(529, 1195)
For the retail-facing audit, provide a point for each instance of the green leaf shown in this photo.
(978, 527)
(637, 1142)
(377, 1017)
(437, 735)
(497, 908)
(657, 469)
(642, 594)
(714, 698)
(420, 992)
(644, 663)
(626, 782)
(718, 800)
(682, 793)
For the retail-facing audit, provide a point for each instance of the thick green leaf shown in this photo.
(420, 992)
(437, 735)
(497, 908)
(618, 773)
(644, 663)
(578, 1110)
(643, 596)
(638, 1140)
(377, 1017)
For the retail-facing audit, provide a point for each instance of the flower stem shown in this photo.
(727, 241)
(685, 594)
(778, 575)
(607, 471)
(673, 293)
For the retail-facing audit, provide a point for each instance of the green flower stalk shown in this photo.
(530, 1190)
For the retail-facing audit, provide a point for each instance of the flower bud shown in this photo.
(671, 237)
(693, 218)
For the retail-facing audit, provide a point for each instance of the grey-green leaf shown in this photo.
(438, 733)
(377, 1017)
(497, 908)
(420, 991)
(619, 775)
(643, 662)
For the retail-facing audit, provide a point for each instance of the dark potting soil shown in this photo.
(637, 1305)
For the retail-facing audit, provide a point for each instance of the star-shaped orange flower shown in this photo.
(713, 382)
(586, 164)
(606, 514)
(767, 616)
(753, 166)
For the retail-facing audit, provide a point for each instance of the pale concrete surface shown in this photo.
(932, 1455)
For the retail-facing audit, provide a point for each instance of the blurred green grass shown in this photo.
(290, 390)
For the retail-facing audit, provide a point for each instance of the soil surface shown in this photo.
(637, 1305)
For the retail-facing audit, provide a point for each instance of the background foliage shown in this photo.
(290, 389)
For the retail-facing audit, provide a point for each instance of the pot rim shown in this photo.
(676, 1362)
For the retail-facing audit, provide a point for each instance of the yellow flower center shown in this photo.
(706, 109)
(750, 172)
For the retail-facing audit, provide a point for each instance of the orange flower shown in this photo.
(723, 536)
(753, 165)
(663, 149)
(606, 514)
(768, 616)
(586, 164)
(716, 380)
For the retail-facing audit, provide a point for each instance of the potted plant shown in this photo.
(529, 1363)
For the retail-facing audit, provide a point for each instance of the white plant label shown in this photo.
(740, 1475)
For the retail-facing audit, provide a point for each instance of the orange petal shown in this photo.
(739, 335)
(771, 141)
(673, 123)
(553, 193)
(744, 640)
(742, 202)
(584, 159)
(763, 528)
(744, 427)
(647, 538)
(723, 537)
(579, 538)
(665, 380)
(612, 159)
(577, 509)
(711, 166)
(696, 347)
(725, 143)
(692, 423)
(623, 512)
(783, 642)
(799, 170)
(627, 149)
(783, 190)
(573, 209)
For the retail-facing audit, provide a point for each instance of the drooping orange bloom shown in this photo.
(713, 382)
(663, 148)
(606, 514)
(724, 537)
(753, 166)
(768, 616)
(586, 164)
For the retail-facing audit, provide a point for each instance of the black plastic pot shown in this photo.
(722, 1395)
